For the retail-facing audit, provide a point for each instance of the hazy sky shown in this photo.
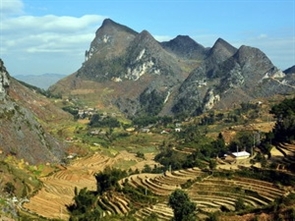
(51, 36)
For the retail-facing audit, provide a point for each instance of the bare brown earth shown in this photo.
(229, 133)
(58, 189)
(209, 194)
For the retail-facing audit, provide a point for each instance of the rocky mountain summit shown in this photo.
(185, 47)
(22, 132)
(138, 75)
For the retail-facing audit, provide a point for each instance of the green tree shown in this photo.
(212, 164)
(151, 102)
(165, 120)
(108, 179)
(284, 113)
(170, 158)
(109, 134)
(94, 119)
(9, 188)
(147, 169)
(98, 121)
(140, 155)
(152, 217)
(213, 216)
(143, 121)
(218, 146)
(190, 133)
(183, 208)
(240, 204)
(84, 207)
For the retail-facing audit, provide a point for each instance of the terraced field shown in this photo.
(114, 203)
(58, 189)
(161, 210)
(215, 194)
(210, 193)
(283, 155)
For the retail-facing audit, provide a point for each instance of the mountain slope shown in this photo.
(136, 76)
(23, 117)
(240, 76)
(198, 87)
(133, 73)
(290, 70)
(185, 47)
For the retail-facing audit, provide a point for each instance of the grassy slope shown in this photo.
(145, 143)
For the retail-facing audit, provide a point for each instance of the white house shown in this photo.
(241, 155)
(178, 129)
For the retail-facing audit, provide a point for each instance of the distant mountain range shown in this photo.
(137, 75)
(42, 81)
(290, 70)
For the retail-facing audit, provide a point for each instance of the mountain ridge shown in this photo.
(179, 76)
(176, 45)
(24, 118)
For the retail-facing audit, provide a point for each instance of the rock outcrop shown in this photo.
(21, 133)
(4, 81)
(147, 77)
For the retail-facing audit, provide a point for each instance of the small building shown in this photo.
(178, 129)
(71, 156)
(241, 155)
(145, 130)
(164, 132)
(130, 129)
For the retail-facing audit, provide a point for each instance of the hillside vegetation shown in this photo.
(105, 186)
(118, 168)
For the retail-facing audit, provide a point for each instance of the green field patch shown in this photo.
(125, 164)
(2, 201)
(96, 148)
(110, 152)
(151, 149)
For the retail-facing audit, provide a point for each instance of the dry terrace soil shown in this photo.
(58, 189)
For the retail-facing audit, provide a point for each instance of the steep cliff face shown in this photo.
(111, 39)
(105, 58)
(230, 76)
(21, 134)
(4, 81)
(145, 77)
(198, 92)
(120, 57)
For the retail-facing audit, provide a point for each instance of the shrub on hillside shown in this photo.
(108, 179)
(284, 112)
